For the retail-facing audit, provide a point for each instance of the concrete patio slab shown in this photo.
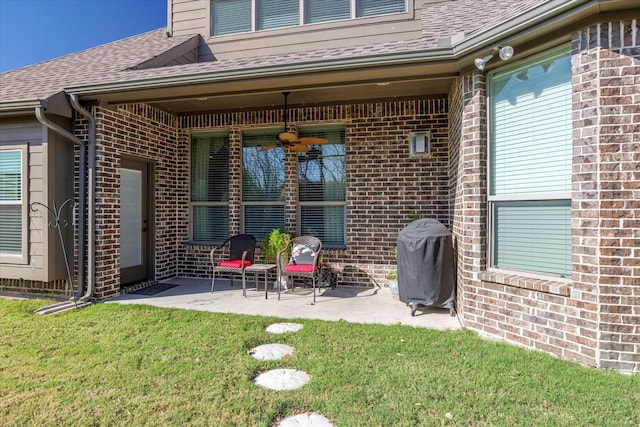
(351, 304)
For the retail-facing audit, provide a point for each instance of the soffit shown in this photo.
(307, 89)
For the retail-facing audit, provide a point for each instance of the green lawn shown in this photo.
(129, 365)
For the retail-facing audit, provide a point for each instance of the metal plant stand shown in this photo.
(57, 223)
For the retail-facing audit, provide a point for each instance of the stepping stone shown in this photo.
(306, 420)
(281, 328)
(271, 351)
(282, 379)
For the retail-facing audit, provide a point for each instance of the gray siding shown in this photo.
(46, 184)
(192, 17)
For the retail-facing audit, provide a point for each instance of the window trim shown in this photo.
(492, 199)
(23, 257)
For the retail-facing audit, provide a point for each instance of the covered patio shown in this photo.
(345, 303)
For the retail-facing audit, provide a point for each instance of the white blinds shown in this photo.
(379, 7)
(230, 16)
(210, 187)
(533, 236)
(263, 180)
(326, 10)
(322, 187)
(531, 129)
(277, 13)
(11, 202)
(530, 160)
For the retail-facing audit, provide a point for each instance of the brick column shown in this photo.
(470, 168)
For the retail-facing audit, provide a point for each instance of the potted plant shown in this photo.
(272, 243)
(392, 282)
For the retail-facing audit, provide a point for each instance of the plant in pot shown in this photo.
(392, 282)
(272, 243)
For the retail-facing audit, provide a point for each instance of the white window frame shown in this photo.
(23, 257)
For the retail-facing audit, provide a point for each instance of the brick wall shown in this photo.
(606, 188)
(384, 184)
(595, 317)
(147, 134)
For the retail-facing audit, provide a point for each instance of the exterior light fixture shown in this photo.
(419, 143)
(504, 52)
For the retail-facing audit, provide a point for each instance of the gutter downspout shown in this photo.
(40, 115)
(90, 192)
(91, 165)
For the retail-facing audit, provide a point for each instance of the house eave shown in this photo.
(270, 71)
(21, 107)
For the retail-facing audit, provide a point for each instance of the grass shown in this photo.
(124, 365)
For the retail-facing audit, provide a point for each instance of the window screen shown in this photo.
(210, 187)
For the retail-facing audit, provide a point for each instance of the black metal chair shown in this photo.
(303, 262)
(242, 248)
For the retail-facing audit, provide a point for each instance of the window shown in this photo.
(240, 16)
(210, 187)
(322, 187)
(263, 183)
(530, 156)
(12, 206)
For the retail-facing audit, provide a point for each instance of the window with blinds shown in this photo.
(263, 183)
(277, 13)
(322, 187)
(210, 187)
(240, 16)
(326, 10)
(231, 16)
(530, 159)
(11, 208)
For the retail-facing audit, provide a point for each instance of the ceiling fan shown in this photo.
(290, 140)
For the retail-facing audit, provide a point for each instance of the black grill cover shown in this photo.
(426, 274)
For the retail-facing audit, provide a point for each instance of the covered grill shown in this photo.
(426, 269)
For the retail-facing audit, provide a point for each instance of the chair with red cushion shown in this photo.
(242, 248)
(304, 261)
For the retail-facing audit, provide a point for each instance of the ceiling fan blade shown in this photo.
(287, 137)
(309, 140)
(300, 148)
(268, 147)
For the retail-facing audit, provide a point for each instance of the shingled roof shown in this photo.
(121, 61)
(94, 65)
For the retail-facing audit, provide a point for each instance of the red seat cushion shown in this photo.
(299, 268)
(235, 263)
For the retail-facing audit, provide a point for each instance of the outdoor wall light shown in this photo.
(504, 52)
(419, 143)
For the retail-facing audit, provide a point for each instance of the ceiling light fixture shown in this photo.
(504, 52)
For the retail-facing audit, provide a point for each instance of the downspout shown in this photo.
(82, 184)
(91, 166)
(90, 208)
